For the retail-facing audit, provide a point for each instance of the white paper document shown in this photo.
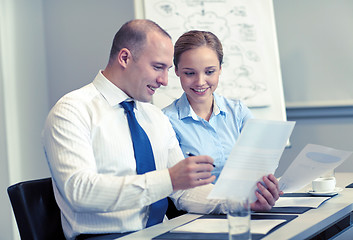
(312, 162)
(312, 202)
(262, 226)
(255, 154)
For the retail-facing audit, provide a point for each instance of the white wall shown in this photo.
(315, 40)
(5, 209)
(48, 48)
(24, 98)
(79, 35)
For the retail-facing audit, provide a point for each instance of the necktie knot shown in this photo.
(128, 106)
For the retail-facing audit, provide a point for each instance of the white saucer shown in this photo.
(334, 192)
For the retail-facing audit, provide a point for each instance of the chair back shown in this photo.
(172, 211)
(36, 211)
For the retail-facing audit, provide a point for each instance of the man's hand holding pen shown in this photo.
(191, 155)
(192, 172)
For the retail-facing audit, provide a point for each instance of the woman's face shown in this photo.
(199, 70)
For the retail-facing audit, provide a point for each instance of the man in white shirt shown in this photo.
(90, 153)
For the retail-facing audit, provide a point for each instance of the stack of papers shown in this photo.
(255, 154)
(312, 202)
(312, 162)
(262, 226)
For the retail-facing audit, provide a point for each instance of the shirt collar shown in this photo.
(219, 106)
(113, 94)
(185, 109)
(216, 109)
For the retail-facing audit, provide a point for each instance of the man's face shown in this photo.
(150, 70)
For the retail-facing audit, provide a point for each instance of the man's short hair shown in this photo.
(132, 35)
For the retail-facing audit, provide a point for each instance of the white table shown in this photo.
(314, 221)
(305, 226)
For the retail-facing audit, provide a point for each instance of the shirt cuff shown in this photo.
(159, 184)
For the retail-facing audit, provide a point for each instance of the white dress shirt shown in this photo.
(89, 150)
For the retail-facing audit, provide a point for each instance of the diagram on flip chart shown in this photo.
(240, 27)
(251, 68)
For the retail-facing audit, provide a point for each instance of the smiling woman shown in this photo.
(205, 123)
(199, 71)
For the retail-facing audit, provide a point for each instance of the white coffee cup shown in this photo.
(324, 184)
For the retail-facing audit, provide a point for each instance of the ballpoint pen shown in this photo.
(191, 155)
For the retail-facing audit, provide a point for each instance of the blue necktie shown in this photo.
(144, 160)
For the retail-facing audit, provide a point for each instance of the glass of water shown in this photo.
(238, 214)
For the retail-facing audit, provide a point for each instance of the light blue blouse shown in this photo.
(215, 137)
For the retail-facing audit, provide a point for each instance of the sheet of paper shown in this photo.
(312, 162)
(313, 202)
(255, 154)
(262, 226)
